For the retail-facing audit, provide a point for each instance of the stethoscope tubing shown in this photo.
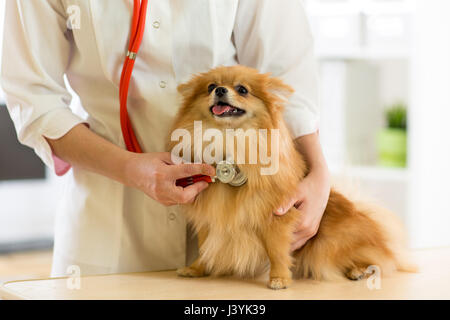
(136, 36)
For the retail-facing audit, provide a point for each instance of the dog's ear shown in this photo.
(186, 89)
(191, 87)
(279, 89)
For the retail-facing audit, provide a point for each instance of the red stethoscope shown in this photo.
(226, 172)
(136, 35)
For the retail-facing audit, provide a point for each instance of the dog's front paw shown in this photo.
(279, 283)
(356, 273)
(190, 272)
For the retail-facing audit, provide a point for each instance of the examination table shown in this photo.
(432, 282)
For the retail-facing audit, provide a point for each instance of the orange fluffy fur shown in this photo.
(237, 230)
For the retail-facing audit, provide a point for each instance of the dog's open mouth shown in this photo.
(223, 109)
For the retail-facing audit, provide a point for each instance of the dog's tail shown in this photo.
(405, 263)
(394, 231)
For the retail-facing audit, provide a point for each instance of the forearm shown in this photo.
(153, 173)
(84, 149)
(312, 193)
(311, 150)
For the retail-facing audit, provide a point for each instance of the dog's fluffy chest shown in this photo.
(239, 252)
(233, 222)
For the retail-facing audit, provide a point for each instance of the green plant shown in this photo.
(396, 116)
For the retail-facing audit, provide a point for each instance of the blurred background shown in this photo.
(385, 103)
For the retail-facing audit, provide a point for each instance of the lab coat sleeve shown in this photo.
(274, 36)
(35, 56)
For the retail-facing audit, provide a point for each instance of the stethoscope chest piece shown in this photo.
(229, 173)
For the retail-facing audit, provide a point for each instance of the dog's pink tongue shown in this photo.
(218, 110)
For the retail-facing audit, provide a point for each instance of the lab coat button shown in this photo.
(156, 24)
(163, 84)
(172, 216)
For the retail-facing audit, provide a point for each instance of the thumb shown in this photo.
(190, 192)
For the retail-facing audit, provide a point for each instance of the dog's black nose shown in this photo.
(221, 91)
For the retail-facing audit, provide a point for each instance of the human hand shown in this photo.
(311, 198)
(155, 174)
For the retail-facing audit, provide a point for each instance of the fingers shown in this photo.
(294, 201)
(174, 159)
(305, 230)
(285, 207)
(163, 188)
(186, 170)
(193, 190)
(298, 243)
(187, 195)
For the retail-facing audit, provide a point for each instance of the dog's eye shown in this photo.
(211, 87)
(241, 90)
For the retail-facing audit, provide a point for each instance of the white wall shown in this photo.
(429, 139)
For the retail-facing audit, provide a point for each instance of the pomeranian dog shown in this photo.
(236, 228)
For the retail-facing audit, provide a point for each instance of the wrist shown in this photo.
(321, 172)
(311, 150)
(127, 168)
(319, 166)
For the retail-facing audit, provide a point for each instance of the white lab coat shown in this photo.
(101, 225)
